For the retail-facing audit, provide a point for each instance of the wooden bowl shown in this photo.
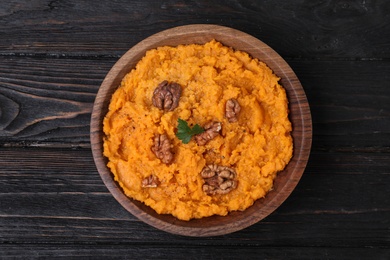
(286, 180)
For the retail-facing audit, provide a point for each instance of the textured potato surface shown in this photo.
(257, 146)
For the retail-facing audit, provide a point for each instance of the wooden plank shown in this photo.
(56, 195)
(358, 29)
(317, 228)
(47, 102)
(137, 251)
(350, 106)
(69, 171)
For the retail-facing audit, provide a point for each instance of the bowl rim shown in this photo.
(298, 104)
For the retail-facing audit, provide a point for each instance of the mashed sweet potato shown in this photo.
(257, 146)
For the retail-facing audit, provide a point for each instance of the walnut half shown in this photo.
(162, 148)
(150, 182)
(232, 109)
(218, 179)
(211, 130)
(166, 96)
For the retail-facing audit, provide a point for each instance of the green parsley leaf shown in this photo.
(184, 132)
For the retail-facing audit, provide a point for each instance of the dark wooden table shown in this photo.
(55, 54)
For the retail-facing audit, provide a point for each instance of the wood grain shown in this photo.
(48, 100)
(53, 203)
(193, 252)
(312, 29)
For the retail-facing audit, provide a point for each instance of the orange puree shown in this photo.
(257, 146)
